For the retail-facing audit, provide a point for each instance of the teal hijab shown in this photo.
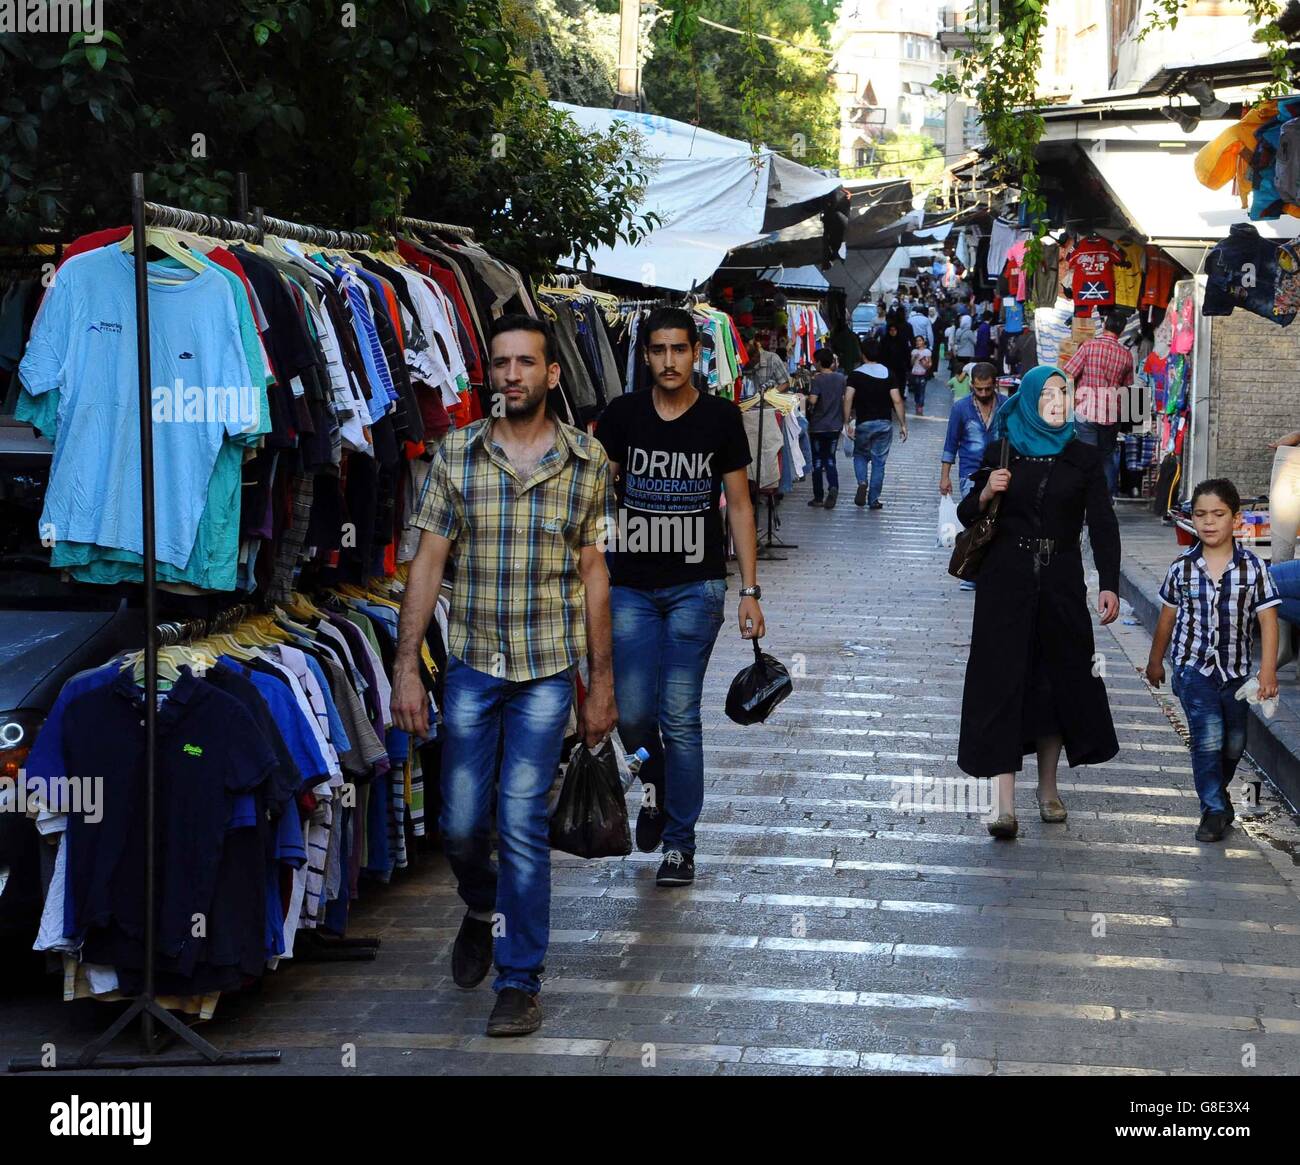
(1019, 420)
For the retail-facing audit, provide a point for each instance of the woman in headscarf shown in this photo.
(896, 348)
(1031, 679)
(963, 345)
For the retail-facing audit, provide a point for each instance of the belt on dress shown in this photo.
(1042, 548)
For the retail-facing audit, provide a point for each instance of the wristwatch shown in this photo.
(754, 592)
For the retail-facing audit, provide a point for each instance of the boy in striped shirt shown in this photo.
(1212, 594)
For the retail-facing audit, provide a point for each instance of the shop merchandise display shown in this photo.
(280, 782)
(1248, 271)
(1259, 156)
(300, 393)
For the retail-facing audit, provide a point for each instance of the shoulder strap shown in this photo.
(1005, 456)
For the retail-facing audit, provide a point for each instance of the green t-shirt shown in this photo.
(960, 386)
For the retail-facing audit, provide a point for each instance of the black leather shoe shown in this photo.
(516, 1013)
(650, 825)
(1213, 826)
(471, 956)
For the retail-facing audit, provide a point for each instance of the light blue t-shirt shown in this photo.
(83, 344)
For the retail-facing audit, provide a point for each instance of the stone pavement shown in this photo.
(833, 930)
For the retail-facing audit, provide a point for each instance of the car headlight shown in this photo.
(17, 734)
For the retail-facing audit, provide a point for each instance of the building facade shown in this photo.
(887, 59)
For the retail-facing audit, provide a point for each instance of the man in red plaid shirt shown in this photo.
(1102, 370)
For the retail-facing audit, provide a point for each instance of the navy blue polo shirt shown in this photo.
(209, 749)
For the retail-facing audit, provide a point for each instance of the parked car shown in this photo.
(864, 320)
(49, 630)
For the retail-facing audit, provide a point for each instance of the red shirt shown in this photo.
(1092, 264)
(1159, 284)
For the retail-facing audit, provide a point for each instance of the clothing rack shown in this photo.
(145, 1005)
(440, 228)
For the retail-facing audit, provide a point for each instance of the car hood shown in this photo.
(35, 643)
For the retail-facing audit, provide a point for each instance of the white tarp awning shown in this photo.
(1158, 192)
(711, 193)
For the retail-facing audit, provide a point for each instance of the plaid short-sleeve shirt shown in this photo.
(518, 605)
(1213, 624)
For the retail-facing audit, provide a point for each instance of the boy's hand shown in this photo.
(1155, 672)
(1267, 683)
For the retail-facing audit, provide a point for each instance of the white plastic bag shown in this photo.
(949, 524)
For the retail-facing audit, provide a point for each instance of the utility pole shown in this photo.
(629, 38)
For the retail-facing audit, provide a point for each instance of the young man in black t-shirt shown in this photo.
(674, 450)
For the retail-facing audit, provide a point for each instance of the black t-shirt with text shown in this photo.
(669, 526)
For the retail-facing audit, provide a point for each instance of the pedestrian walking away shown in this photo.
(674, 453)
(870, 398)
(1102, 369)
(963, 344)
(1212, 595)
(970, 424)
(525, 503)
(1031, 685)
(826, 421)
(920, 373)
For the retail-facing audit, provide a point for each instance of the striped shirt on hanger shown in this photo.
(1212, 630)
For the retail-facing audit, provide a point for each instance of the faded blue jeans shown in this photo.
(1286, 577)
(663, 638)
(478, 712)
(871, 442)
(1217, 720)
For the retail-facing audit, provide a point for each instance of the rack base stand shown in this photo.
(205, 1054)
(770, 542)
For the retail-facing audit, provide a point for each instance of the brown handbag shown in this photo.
(970, 545)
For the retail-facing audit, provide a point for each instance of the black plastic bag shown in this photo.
(590, 815)
(758, 689)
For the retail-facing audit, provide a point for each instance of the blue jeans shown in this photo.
(1286, 577)
(662, 642)
(871, 443)
(1106, 439)
(480, 711)
(918, 385)
(1217, 720)
(825, 446)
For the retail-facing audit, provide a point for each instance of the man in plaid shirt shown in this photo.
(1102, 370)
(524, 504)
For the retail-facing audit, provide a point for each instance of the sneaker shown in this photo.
(650, 826)
(471, 956)
(831, 496)
(860, 498)
(967, 584)
(677, 869)
(876, 506)
(815, 501)
(516, 1013)
(1213, 826)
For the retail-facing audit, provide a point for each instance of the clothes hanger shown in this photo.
(163, 241)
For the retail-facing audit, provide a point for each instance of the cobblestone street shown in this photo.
(828, 931)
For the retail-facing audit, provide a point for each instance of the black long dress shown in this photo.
(1031, 671)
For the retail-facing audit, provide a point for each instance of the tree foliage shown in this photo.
(903, 155)
(340, 113)
(744, 86)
